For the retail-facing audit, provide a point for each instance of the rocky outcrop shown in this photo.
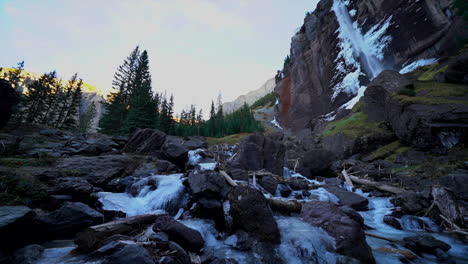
(13, 220)
(315, 162)
(145, 141)
(66, 221)
(250, 212)
(207, 184)
(320, 77)
(97, 170)
(8, 100)
(348, 234)
(259, 151)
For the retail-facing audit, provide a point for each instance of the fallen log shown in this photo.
(405, 253)
(89, 238)
(283, 205)
(348, 180)
(377, 185)
(228, 178)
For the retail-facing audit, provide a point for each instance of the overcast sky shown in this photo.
(196, 47)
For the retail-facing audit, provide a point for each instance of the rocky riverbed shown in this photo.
(182, 201)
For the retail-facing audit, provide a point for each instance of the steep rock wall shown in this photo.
(326, 72)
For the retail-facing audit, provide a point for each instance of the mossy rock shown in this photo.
(434, 93)
(388, 152)
(356, 125)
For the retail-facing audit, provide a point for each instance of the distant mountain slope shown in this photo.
(91, 94)
(250, 97)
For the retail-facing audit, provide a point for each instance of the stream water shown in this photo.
(300, 241)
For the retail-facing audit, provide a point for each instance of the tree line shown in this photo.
(49, 101)
(133, 104)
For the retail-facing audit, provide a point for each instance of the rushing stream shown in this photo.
(300, 241)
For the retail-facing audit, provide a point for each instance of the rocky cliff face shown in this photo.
(345, 44)
(250, 97)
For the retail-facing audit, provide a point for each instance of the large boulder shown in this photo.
(315, 162)
(9, 98)
(424, 244)
(457, 183)
(92, 144)
(355, 201)
(207, 184)
(250, 211)
(268, 183)
(66, 221)
(411, 203)
(145, 141)
(97, 170)
(153, 167)
(78, 188)
(209, 209)
(190, 239)
(175, 151)
(13, 220)
(348, 234)
(258, 151)
(378, 92)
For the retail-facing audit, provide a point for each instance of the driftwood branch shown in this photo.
(377, 185)
(283, 205)
(228, 178)
(348, 180)
(90, 237)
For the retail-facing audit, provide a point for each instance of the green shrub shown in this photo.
(19, 191)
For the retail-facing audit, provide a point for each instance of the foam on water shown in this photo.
(168, 194)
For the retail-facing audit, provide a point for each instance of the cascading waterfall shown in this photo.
(360, 54)
(167, 196)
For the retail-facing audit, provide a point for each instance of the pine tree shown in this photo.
(112, 121)
(141, 108)
(72, 114)
(35, 101)
(14, 75)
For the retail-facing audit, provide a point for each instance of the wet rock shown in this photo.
(251, 213)
(224, 261)
(129, 253)
(411, 203)
(298, 183)
(13, 220)
(56, 201)
(355, 201)
(348, 234)
(210, 209)
(190, 239)
(424, 244)
(207, 184)
(306, 193)
(240, 240)
(267, 253)
(443, 257)
(284, 190)
(78, 188)
(269, 184)
(66, 221)
(9, 98)
(175, 151)
(351, 213)
(392, 221)
(121, 184)
(28, 255)
(145, 141)
(257, 152)
(97, 170)
(159, 237)
(315, 162)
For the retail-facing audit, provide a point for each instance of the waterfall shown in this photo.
(167, 196)
(361, 48)
(360, 54)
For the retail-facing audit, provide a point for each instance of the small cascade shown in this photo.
(195, 159)
(167, 196)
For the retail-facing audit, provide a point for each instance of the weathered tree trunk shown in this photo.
(282, 205)
(377, 185)
(89, 238)
(228, 178)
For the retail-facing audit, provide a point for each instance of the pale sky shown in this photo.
(197, 48)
